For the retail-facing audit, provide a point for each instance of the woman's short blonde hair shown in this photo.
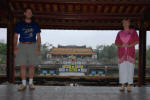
(126, 19)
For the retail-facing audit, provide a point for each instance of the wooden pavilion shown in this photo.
(79, 15)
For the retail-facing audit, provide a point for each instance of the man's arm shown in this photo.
(38, 42)
(15, 43)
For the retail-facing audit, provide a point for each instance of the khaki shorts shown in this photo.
(26, 55)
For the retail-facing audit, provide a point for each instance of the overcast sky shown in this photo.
(90, 38)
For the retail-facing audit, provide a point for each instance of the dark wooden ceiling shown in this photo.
(77, 14)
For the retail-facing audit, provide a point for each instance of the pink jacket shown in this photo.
(126, 53)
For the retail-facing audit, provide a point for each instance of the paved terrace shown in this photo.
(9, 92)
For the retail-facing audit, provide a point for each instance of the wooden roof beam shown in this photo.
(81, 27)
(133, 2)
(79, 14)
(83, 16)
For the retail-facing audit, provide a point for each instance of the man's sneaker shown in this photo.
(122, 88)
(31, 86)
(22, 87)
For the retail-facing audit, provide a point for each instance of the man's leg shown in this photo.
(23, 77)
(31, 75)
(23, 72)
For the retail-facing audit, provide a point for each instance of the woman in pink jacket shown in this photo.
(126, 40)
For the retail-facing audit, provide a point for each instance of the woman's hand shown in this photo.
(125, 45)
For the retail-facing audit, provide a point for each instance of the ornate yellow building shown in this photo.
(71, 59)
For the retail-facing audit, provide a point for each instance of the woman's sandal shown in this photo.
(129, 89)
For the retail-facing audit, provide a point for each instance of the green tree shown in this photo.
(44, 49)
(148, 56)
(107, 54)
(3, 49)
(3, 52)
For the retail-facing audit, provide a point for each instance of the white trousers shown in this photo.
(126, 72)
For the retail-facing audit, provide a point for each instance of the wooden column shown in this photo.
(10, 56)
(142, 54)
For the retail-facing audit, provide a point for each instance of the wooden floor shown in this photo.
(9, 92)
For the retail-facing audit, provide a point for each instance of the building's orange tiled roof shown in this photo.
(75, 51)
